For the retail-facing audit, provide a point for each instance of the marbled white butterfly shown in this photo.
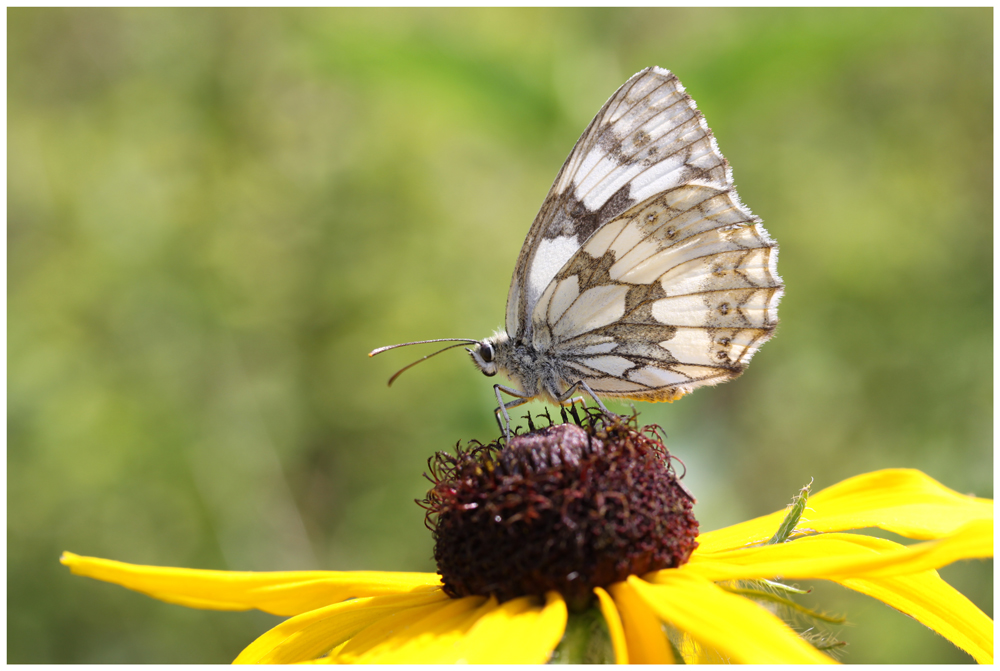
(643, 275)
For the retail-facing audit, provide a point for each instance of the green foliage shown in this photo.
(792, 517)
(214, 214)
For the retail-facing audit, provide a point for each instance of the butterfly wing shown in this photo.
(672, 292)
(647, 138)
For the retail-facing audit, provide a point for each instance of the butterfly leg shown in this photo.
(581, 384)
(521, 399)
(594, 396)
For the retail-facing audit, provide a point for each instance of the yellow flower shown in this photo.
(375, 617)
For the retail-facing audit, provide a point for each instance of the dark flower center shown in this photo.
(564, 508)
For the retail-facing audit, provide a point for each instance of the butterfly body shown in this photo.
(643, 276)
(534, 374)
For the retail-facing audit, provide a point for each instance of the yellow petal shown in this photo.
(693, 652)
(901, 500)
(535, 633)
(614, 622)
(519, 631)
(731, 624)
(310, 635)
(901, 576)
(841, 555)
(278, 592)
(647, 642)
(931, 601)
(415, 636)
(331, 658)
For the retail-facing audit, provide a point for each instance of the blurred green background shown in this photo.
(213, 215)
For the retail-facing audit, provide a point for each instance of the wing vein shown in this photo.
(652, 165)
(583, 197)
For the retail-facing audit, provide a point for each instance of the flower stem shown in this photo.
(586, 640)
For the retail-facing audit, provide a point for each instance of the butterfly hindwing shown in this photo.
(647, 138)
(677, 292)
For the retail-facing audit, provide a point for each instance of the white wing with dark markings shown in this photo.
(649, 137)
(644, 276)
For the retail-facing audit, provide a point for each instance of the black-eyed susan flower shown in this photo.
(579, 544)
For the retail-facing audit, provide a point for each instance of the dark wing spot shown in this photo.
(651, 155)
(592, 272)
(574, 219)
(617, 204)
(612, 145)
(640, 139)
(642, 294)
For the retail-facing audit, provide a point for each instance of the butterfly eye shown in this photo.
(486, 352)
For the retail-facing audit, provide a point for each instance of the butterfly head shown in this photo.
(486, 353)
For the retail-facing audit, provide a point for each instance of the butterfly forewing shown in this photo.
(649, 137)
(643, 275)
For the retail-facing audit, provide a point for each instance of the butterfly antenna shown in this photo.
(420, 342)
(460, 342)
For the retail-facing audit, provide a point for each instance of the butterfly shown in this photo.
(643, 276)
